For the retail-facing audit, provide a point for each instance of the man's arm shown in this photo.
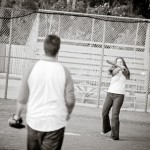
(69, 92)
(23, 93)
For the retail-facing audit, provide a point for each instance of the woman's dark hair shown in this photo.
(124, 64)
(52, 45)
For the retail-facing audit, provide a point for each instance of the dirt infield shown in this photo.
(82, 132)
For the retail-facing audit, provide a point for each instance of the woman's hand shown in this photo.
(122, 68)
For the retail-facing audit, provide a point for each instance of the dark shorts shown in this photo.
(37, 140)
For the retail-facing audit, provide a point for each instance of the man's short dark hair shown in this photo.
(52, 45)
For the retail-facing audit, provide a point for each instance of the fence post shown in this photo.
(91, 39)
(59, 23)
(101, 65)
(46, 18)
(9, 54)
(50, 27)
(136, 37)
(92, 32)
(148, 70)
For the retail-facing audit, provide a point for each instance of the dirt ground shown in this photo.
(82, 132)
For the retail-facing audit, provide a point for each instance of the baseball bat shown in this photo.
(111, 63)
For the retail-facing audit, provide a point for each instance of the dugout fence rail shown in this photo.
(87, 42)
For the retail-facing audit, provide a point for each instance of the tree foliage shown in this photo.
(131, 8)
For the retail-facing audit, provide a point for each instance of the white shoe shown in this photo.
(103, 134)
(111, 139)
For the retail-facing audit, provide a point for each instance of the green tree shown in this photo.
(141, 7)
(133, 8)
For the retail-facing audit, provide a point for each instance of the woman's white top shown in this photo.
(118, 83)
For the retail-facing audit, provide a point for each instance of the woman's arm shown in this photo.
(125, 72)
(113, 70)
(116, 71)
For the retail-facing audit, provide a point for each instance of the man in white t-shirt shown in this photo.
(47, 89)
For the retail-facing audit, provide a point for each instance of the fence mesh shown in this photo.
(4, 41)
(86, 45)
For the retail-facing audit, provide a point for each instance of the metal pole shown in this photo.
(136, 36)
(38, 24)
(90, 15)
(102, 58)
(9, 54)
(50, 27)
(92, 32)
(59, 22)
(148, 80)
(147, 91)
(46, 18)
(37, 30)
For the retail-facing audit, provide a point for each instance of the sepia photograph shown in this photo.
(74, 74)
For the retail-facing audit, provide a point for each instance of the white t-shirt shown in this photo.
(46, 107)
(118, 83)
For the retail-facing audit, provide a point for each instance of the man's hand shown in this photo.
(16, 117)
(15, 122)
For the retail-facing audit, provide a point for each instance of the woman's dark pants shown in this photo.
(37, 140)
(115, 101)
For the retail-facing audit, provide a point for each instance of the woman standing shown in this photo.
(115, 97)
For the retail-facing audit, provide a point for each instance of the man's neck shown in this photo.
(48, 58)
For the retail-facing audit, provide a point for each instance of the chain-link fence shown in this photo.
(87, 42)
